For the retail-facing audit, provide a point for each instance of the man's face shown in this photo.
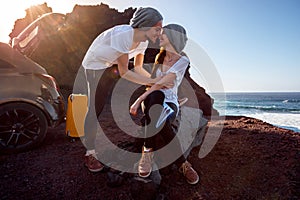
(154, 32)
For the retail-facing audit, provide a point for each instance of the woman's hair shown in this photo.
(159, 59)
(176, 35)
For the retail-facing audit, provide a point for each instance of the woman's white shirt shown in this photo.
(178, 69)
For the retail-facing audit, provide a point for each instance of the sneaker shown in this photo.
(92, 163)
(182, 101)
(165, 113)
(145, 163)
(189, 173)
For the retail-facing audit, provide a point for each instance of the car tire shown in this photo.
(22, 127)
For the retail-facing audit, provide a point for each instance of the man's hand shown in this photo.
(165, 83)
(168, 85)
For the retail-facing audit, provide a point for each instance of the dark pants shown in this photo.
(157, 138)
(100, 84)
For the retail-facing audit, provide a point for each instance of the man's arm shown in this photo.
(132, 76)
(138, 65)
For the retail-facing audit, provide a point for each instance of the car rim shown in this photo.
(18, 128)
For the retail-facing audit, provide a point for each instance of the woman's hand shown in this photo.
(134, 107)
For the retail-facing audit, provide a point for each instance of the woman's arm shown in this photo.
(157, 86)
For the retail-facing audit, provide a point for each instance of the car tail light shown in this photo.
(49, 80)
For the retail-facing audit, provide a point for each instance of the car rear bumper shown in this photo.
(55, 110)
(60, 113)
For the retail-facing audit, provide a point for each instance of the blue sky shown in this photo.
(254, 45)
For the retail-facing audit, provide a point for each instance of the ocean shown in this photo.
(281, 109)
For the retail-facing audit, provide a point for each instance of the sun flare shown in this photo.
(12, 10)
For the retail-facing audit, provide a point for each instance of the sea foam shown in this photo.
(284, 120)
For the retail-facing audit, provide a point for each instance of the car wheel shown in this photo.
(22, 127)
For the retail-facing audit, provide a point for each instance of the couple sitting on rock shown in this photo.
(160, 102)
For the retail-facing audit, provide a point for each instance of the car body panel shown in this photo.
(18, 60)
(44, 26)
(24, 81)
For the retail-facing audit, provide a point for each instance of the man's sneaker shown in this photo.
(92, 163)
(189, 173)
(145, 163)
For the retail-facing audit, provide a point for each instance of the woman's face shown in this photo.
(163, 40)
(154, 32)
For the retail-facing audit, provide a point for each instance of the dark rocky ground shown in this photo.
(251, 160)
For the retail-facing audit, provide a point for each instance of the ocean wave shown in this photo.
(280, 109)
(264, 108)
(296, 112)
(291, 101)
(284, 120)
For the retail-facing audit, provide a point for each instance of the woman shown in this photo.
(172, 64)
(113, 47)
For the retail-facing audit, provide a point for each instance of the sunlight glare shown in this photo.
(12, 10)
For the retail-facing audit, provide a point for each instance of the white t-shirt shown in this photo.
(178, 69)
(111, 44)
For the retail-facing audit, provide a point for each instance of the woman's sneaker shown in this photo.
(145, 163)
(182, 101)
(189, 173)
